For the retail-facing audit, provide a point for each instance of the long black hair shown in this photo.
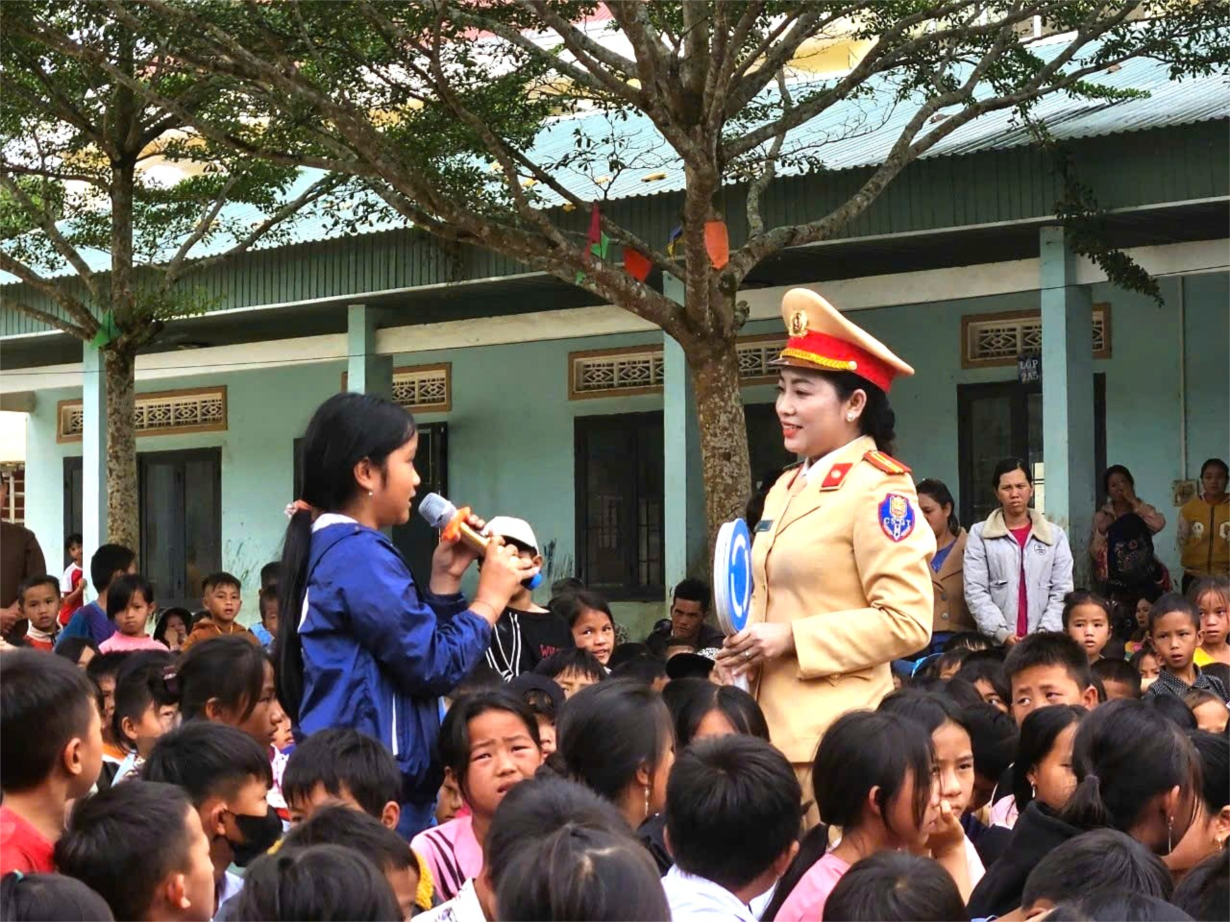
(1125, 754)
(690, 700)
(1039, 730)
(454, 741)
(860, 751)
(344, 430)
(896, 887)
(608, 731)
(940, 493)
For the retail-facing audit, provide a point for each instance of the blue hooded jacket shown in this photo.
(378, 651)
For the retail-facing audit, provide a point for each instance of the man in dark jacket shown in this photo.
(689, 608)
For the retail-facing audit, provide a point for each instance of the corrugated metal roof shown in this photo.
(850, 134)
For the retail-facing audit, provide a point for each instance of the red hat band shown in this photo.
(828, 353)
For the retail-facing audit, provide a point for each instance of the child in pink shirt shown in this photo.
(130, 604)
(873, 777)
(489, 743)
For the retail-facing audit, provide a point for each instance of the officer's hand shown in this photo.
(752, 647)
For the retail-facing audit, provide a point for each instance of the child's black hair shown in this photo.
(1078, 597)
(573, 659)
(39, 897)
(1039, 730)
(338, 825)
(1174, 710)
(342, 758)
(124, 841)
(1137, 658)
(942, 496)
(1219, 671)
(164, 620)
(1126, 753)
(74, 537)
(71, 647)
(107, 561)
(323, 882)
(1118, 670)
(1100, 854)
(220, 580)
(1049, 648)
(121, 591)
(862, 750)
(924, 709)
(961, 693)
(270, 573)
(608, 731)
(538, 807)
(968, 640)
(43, 579)
(951, 658)
(732, 809)
(139, 684)
(1173, 602)
(1213, 749)
(481, 678)
(343, 431)
(454, 741)
(581, 873)
(987, 670)
(229, 669)
(691, 699)
(205, 759)
(45, 702)
(1109, 903)
(106, 664)
(994, 737)
(896, 887)
(543, 695)
(1204, 893)
(643, 669)
(571, 605)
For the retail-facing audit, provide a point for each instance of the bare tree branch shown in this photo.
(51, 320)
(17, 169)
(79, 311)
(756, 188)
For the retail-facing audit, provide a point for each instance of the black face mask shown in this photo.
(259, 834)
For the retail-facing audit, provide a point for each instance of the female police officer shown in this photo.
(842, 586)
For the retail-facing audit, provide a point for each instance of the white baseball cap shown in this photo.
(513, 529)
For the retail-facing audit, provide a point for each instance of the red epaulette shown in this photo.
(886, 463)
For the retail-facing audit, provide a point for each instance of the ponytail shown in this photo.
(1125, 754)
(295, 549)
(345, 429)
(812, 848)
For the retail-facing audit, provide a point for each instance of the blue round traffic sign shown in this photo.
(732, 576)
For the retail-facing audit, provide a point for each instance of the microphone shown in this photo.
(450, 521)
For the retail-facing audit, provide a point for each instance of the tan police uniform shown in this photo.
(840, 555)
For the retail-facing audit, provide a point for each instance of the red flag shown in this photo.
(717, 243)
(595, 225)
(637, 264)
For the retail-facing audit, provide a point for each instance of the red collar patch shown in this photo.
(836, 475)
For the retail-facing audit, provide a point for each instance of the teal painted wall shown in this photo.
(511, 427)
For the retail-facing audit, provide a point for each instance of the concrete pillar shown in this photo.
(366, 371)
(1067, 397)
(683, 481)
(93, 453)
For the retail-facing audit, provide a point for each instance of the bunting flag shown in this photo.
(672, 240)
(599, 242)
(717, 243)
(637, 264)
(108, 331)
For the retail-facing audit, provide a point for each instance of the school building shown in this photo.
(534, 400)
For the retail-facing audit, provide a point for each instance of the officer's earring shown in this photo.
(849, 417)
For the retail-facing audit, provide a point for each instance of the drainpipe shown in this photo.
(1182, 379)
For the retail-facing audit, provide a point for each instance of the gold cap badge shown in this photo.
(798, 323)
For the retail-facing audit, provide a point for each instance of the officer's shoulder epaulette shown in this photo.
(886, 463)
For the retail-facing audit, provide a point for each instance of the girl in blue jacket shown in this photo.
(362, 644)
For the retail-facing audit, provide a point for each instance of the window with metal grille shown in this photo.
(638, 370)
(620, 522)
(997, 339)
(162, 413)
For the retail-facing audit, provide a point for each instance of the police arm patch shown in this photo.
(896, 516)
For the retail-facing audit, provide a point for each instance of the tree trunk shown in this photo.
(723, 431)
(123, 526)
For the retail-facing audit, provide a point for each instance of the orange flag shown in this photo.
(637, 264)
(717, 243)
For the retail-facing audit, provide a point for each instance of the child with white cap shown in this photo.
(526, 633)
